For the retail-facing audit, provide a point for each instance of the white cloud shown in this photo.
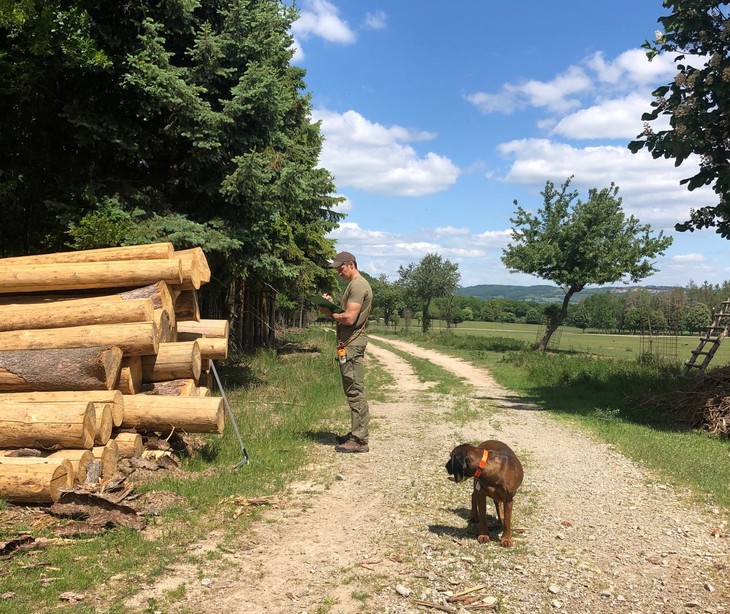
(619, 118)
(451, 231)
(556, 95)
(649, 188)
(372, 157)
(631, 68)
(321, 18)
(595, 79)
(375, 21)
(689, 258)
(493, 238)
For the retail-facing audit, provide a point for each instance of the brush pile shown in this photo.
(704, 404)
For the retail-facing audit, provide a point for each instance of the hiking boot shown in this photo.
(353, 445)
(343, 438)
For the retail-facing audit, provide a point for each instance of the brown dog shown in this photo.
(497, 473)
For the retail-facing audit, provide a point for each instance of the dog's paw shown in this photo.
(505, 542)
(483, 539)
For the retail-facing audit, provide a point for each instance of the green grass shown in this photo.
(602, 395)
(574, 340)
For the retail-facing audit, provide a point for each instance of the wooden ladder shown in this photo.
(716, 332)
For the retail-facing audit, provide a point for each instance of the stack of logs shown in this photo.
(97, 347)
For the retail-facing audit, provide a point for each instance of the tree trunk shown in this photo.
(129, 445)
(130, 375)
(160, 293)
(195, 268)
(173, 361)
(172, 388)
(47, 425)
(84, 275)
(187, 414)
(557, 319)
(103, 425)
(187, 307)
(109, 456)
(113, 398)
(92, 368)
(78, 460)
(34, 480)
(210, 348)
(218, 329)
(165, 323)
(73, 312)
(152, 251)
(134, 338)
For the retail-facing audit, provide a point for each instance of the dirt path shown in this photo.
(382, 530)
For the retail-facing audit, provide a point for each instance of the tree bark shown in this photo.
(159, 293)
(91, 368)
(172, 388)
(73, 312)
(134, 338)
(173, 361)
(188, 414)
(165, 323)
(47, 425)
(152, 251)
(34, 480)
(557, 319)
(84, 275)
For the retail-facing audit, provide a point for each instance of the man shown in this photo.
(357, 301)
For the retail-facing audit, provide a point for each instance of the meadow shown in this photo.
(574, 340)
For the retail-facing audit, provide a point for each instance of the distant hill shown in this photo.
(544, 293)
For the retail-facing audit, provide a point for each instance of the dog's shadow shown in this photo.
(469, 530)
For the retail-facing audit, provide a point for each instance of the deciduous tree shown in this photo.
(574, 243)
(431, 278)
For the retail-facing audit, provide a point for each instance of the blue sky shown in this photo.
(438, 115)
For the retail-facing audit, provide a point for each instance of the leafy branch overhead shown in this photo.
(697, 103)
(574, 243)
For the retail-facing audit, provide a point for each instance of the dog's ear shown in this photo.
(456, 466)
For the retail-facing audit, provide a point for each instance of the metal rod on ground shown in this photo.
(231, 417)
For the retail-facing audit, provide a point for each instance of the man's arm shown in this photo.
(349, 316)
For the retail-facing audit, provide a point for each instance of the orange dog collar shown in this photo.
(482, 464)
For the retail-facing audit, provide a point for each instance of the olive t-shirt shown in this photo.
(357, 291)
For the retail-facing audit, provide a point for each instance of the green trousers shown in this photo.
(353, 383)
